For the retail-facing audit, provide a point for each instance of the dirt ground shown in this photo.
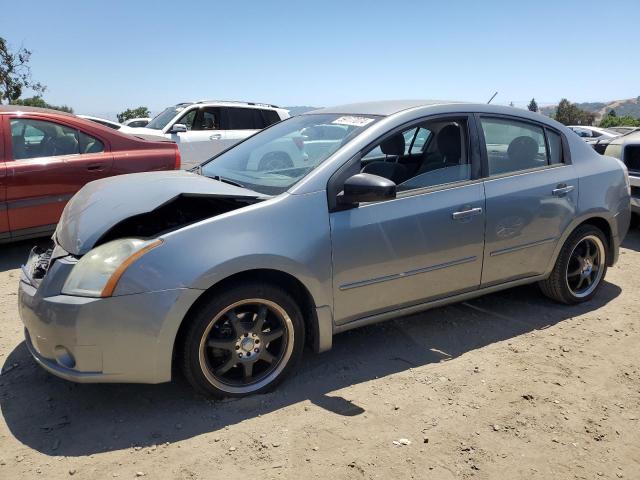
(507, 386)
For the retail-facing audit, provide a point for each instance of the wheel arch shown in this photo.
(596, 219)
(290, 283)
(602, 224)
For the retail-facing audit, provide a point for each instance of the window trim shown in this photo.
(349, 168)
(566, 157)
(8, 149)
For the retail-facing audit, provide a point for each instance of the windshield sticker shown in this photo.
(353, 121)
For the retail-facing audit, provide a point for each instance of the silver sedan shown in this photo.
(230, 270)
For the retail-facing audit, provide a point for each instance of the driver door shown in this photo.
(425, 244)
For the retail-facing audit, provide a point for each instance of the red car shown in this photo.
(46, 156)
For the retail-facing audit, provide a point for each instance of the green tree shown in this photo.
(38, 101)
(612, 113)
(615, 121)
(130, 113)
(533, 106)
(569, 114)
(15, 73)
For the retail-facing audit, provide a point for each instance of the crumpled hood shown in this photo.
(101, 204)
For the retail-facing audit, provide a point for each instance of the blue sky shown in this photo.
(101, 57)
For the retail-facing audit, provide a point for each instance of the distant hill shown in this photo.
(293, 111)
(629, 106)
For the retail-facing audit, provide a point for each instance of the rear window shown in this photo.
(270, 117)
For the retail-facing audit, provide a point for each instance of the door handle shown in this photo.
(562, 189)
(95, 166)
(470, 212)
(215, 136)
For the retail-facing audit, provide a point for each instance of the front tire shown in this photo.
(580, 268)
(244, 340)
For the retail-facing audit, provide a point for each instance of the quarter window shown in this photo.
(38, 138)
(513, 145)
(555, 147)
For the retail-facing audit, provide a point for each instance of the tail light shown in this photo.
(178, 158)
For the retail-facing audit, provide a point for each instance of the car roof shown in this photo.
(232, 103)
(382, 108)
(394, 107)
(631, 137)
(22, 108)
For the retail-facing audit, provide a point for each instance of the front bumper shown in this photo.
(127, 338)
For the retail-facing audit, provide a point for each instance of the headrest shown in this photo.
(66, 145)
(393, 145)
(449, 142)
(522, 150)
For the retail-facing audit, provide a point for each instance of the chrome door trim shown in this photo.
(522, 246)
(409, 273)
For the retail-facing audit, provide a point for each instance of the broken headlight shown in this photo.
(97, 273)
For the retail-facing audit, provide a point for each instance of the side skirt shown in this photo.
(380, 317)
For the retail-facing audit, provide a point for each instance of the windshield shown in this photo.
(271, 161)
(164, 117)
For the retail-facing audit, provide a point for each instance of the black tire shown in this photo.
(566, 286)
(635, 220)
(209, 327)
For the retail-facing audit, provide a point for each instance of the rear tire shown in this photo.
(242, 341)
(635, 220)
(580, 267)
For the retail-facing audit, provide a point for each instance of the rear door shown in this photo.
(4, 219)
(93, 161)
(531, 196)
(239, 123)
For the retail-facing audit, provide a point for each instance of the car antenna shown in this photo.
(492, 97)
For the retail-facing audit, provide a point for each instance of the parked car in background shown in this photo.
(108, 123)
(137, 122)
(228, 273)
(623, 130)
(626, 148)
(588, 132)
(46, 156)
(204, 129)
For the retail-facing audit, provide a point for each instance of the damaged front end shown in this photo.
(177, 213)
(144, 205)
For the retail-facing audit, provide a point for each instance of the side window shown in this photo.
(513, 145)
(555, 147)
(89, 144)
(188, 118)
(269, 117)
(38, 138)
(244, 119)
(429, 154)
(207, 119)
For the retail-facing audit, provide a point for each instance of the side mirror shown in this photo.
(178, 128)
(365, 187)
